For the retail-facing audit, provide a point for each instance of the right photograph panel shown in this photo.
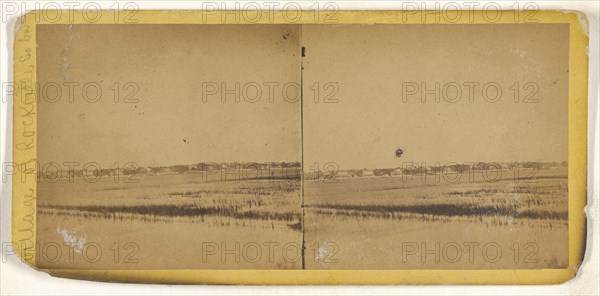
(435, 146)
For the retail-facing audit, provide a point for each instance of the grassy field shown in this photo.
(172, 221)
(182, 221)
(403, 223)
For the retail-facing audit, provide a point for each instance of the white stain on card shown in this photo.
(518, 52)
(66, 53)
(70, 237)
(325, 254)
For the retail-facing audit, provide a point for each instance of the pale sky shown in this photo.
(171, 64)
(371, 65)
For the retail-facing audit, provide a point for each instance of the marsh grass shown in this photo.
(178, 211)
(442, 209)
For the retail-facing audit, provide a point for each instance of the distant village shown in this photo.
(416, 169)
(213, 167)
(95, 171)
(295, 169)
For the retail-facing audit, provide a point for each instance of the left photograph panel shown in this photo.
(169, 147)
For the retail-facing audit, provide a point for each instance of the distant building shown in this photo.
(343, 175)
(367, 173)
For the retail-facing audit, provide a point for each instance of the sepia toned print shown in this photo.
(303, 146)
(447, 148)
(169, 168)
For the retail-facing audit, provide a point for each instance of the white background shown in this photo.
(16, 278)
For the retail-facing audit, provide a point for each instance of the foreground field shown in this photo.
(181, 221)
(170, 221)
(406, 223)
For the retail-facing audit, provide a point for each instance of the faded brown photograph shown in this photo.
(302, 146)
(185, 160)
